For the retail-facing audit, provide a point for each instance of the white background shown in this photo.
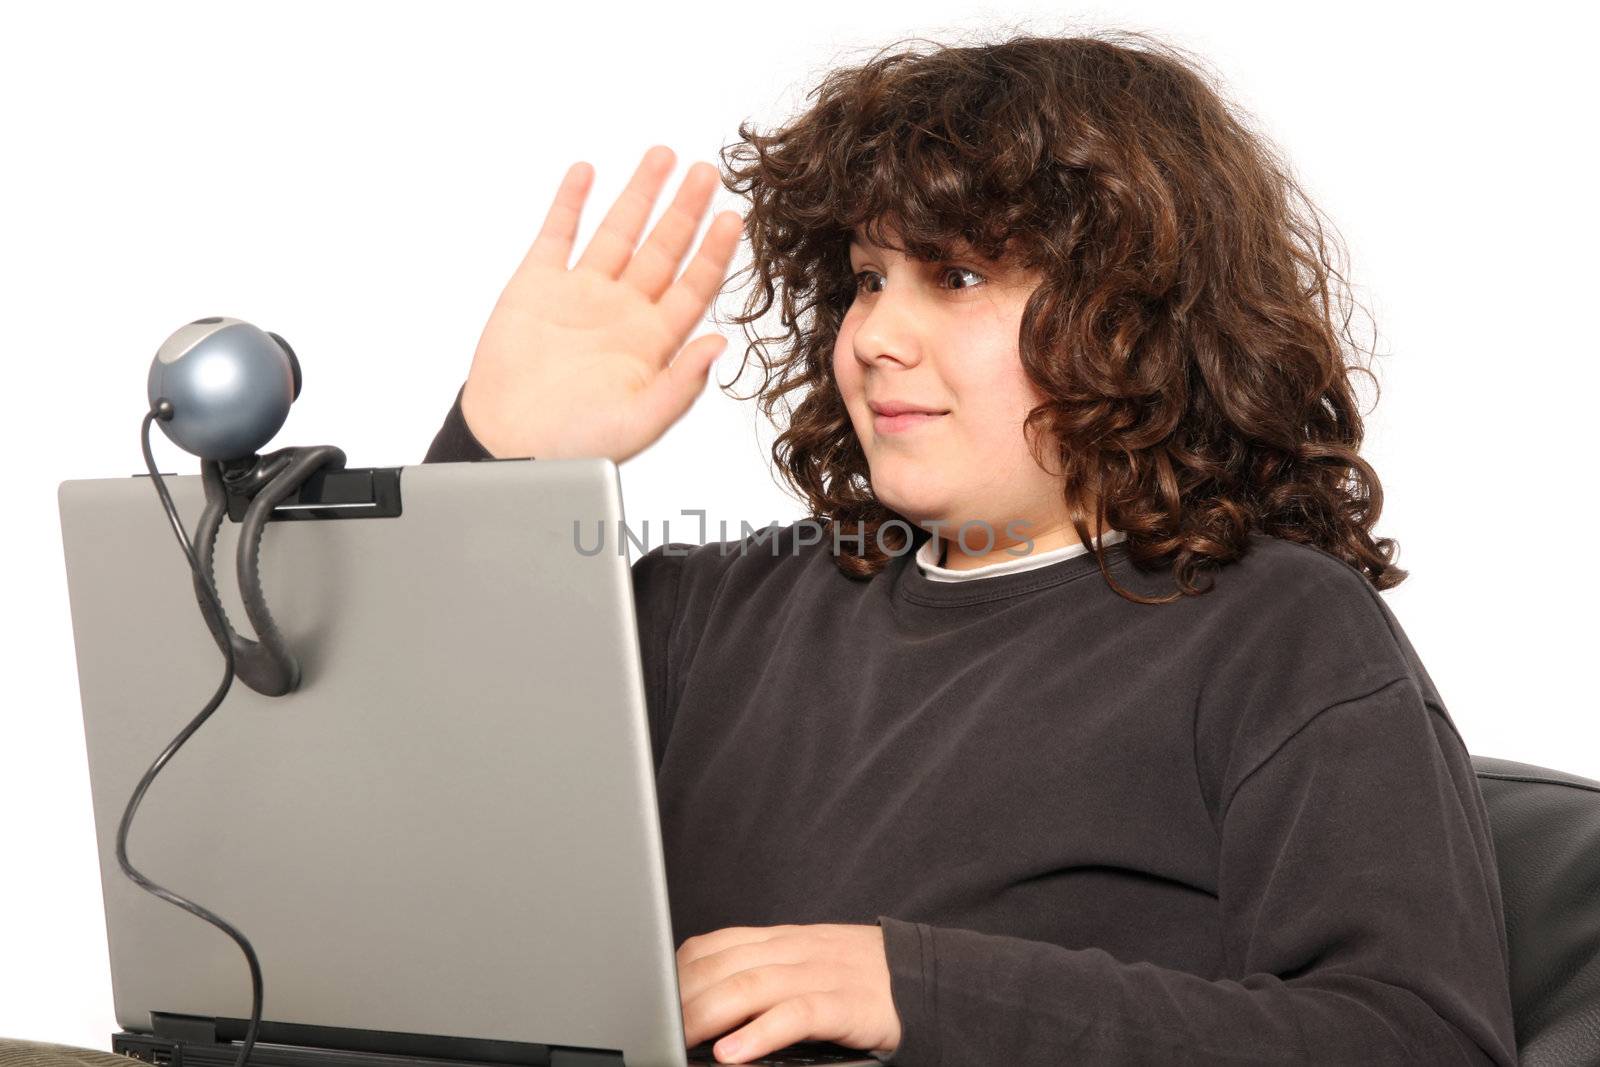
(363, 179)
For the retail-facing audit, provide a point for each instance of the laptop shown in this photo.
(444, 845)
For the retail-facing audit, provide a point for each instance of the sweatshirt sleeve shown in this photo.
(1362, 924)
(454, 443)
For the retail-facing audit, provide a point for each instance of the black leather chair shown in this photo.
(1546, 827)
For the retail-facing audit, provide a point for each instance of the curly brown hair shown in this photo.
(1184, 331)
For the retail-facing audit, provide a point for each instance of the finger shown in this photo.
(743, 995)
(653, 265)
(553, 246)
(809, 1016)
(700, 973)
(612, 244)
(672, 392)
(716, 940)
(687, 299)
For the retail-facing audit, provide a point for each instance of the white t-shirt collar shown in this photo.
(928, 560)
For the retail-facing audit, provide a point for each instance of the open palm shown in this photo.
(592, 360)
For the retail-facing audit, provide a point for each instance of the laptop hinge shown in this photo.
(577, 1057)
(584, 1058)
(202, 1030)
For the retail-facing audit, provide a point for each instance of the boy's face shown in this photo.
(944, 337)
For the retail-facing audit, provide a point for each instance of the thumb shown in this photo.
(676, 388)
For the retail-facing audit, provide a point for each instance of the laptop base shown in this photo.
(191, 1041)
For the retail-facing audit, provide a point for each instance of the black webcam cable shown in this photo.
(163, 410)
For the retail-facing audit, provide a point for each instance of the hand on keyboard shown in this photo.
(766, 987)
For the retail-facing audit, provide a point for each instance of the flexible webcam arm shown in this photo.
(265, 665)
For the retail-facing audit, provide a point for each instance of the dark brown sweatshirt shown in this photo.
(1237, 828)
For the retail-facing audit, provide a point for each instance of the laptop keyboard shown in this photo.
(791, 1056)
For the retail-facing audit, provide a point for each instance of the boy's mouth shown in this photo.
(905, 420)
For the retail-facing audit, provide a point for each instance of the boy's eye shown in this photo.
(962, 270)
(863, 275)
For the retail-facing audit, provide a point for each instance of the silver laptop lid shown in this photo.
(449, 829)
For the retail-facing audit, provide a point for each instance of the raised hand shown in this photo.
(592, 360)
